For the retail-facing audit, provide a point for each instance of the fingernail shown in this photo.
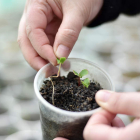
(103, 96)
(62, 51)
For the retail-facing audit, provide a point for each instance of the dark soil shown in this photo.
(68, 95)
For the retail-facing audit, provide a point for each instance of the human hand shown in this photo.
(50, 28)
(114, 121)
(104, 125)
(99, 126)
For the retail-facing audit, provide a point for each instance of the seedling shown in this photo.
(60, 62)
(86, 82)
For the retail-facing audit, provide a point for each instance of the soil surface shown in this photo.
(68, 95)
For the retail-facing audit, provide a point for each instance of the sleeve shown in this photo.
(111, 9)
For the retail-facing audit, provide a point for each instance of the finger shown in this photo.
(105, 117)
(93, 130)
(28, 51)
(117, 122)
(68, 33)
(119, 103)
(98, 129)
(38, 15)
(131, 132)
(60, 139)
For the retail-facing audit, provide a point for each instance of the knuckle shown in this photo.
(70, 34)
(43, 9)
(42, 2)
(39, 9)
(28, 30)
(42, 49)
(40, 6)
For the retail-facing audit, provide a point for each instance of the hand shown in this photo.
(105, 126)
(50, 28)
(99, 128)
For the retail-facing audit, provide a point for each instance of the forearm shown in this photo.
(113, 8)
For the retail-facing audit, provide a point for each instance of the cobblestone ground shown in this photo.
(113, 46)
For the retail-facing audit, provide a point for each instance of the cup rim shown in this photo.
(65, 112)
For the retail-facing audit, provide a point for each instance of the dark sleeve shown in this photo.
(112, 8)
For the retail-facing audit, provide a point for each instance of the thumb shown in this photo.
(68, 33)
(119, 103)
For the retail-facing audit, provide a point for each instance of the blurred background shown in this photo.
(114, 46)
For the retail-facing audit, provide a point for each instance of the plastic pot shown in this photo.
(56, 122)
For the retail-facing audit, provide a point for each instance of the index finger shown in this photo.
(28, 51)
(38, 14)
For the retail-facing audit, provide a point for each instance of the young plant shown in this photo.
(86, 81)
(60, 62)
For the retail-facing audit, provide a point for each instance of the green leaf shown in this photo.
(75, 73)
(83, 73)
(86, 82)
(83, 83)
(62, 60)
(58, 61)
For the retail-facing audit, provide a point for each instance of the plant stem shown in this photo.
(59, 70)
(58, 73)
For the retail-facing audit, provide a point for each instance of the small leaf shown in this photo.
(75, 73)
(86, 82)
(58, 61)
(62, 60)
(83, 73)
